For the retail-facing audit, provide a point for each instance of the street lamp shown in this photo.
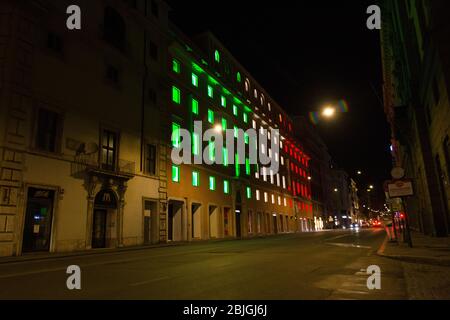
(359, 172)
(328, 112)
(336, 189)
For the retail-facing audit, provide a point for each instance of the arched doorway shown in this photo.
(104, 219)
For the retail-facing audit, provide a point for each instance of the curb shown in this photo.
(412, 259)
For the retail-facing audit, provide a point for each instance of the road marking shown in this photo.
(148, 281)
(349, 245)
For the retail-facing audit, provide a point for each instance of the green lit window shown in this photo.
(223, 101)
(238, 77)
(212, 183)
(176, 135)
(175, 173)
(176, 67)
(212, 150)
(194, 80)
(236, 131)
(217, 56)
(238, 167)
(176, 95)
(235, 110)
(249, 193)
(210, 92)
(195, 144)
(224, 124)
(246, 138)
(225, 157)
(194, 106)
(247, 167)
(226, 186)
(195, 178)
(245, 117)
(210, 116)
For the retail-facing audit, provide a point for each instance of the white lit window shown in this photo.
(258, 195)
(264, 173)
(275, 140)
(284, 182)
(277, 158)
(257, 174)
(266, 197)
(255, 93)
(278, 179)
(285, 202)
(270, 153)
(247, 84)
(281, 144)
(268, 135)
(279, 200)
(273, 199)
(282, 160)
(263, 148)
(271, 177)
(254, 124)
(269, 106)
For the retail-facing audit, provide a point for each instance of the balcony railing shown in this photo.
(83, 163)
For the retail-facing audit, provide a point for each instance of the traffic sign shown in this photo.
(400, 188)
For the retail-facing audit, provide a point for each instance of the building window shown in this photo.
(48, 123)
(249, 192)
(176, 95)
(194, 80)
(245, 116)
(284, 182)
(210, 92)
(194, 104)
(258, 195)
(195, 178)
(176, 66)
(235, 110)
(247, 85)
(176, 138)
(226, 186)
(255, 93)
(155, 8)
(238, 77)
(212, 150)
(109, 150)
(273, 199)
(112, 74)
(54, 42)
(266, 197)
(254, 124)
(223, 101)
(210, 116)
(153, 50)
(224, 124)
(237, 165)
(225, 156)
(247, 167)
(285, 202)
(236, 132)
(175, 173)
(212, 183)
(114, 29)
(195, 144)
(150, 159)
(217, 56)
(269, 106)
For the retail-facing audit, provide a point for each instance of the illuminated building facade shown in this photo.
(87, 119)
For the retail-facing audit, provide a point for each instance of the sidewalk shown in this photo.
(426, 249)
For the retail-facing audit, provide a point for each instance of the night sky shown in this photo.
(306, 54)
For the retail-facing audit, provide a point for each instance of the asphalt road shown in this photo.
(324, 265)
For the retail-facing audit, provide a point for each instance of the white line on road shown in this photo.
(148, 281)
(349, 245)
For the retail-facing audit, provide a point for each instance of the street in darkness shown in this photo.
(323, 265)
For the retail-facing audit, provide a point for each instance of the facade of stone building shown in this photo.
(88, 124)
(416, 73)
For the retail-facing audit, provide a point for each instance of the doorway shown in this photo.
(275, 223)
(175, 221)
(150, 216)
(196, 221)
(38, 220)
(238, 221)
(104, 219)
(213, 222)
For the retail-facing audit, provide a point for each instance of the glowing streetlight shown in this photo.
(359, 172)
(371, 187)
(218, 128)
(328, 112)
(309, 178)
(336, 190)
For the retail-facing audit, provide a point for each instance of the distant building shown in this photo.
(416, 73)
(355, 213)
